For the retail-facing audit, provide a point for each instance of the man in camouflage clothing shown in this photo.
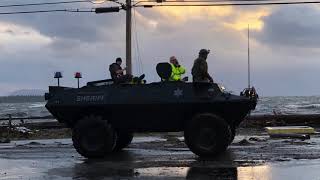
(200, 68)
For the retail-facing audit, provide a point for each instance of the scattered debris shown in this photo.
(281, 159)
(276, 112)
(243, 142)
(257, 139)
(23, 130)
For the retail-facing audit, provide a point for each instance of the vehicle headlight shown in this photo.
(222, 88)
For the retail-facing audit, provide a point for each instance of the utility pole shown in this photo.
(128, 8)
(128, 36)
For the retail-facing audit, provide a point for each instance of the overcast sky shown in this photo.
(285, 45)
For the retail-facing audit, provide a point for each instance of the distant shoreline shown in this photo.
(21, 99)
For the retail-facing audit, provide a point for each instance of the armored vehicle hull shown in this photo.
(104, 118)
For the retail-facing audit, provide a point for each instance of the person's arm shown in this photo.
(210, 78)
(182, 70)
(120, 71)
(114, 69)
(203, 67)
(207, 74)
(205, 71)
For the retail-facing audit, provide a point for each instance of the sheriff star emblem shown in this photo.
(178, 92)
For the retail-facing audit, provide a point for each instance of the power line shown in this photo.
(137, 42)
(74, 10)
(159, 5)
(195, 1)
(46, 3)
(46, 11)
(200, 1)
(230, 4)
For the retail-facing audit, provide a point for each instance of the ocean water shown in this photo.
(288, 105)
(26, 109)
(266, 105)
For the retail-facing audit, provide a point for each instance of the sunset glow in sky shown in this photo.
(284, 45)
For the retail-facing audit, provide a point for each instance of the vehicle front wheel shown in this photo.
(93, 137)
(124, 138)
(207, 135)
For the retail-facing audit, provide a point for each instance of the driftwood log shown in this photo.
(282, 120)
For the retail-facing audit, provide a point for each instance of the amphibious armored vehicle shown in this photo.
(104, 115)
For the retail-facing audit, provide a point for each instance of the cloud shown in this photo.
(35, 46)
(15, 38)
(86, 27)
(241, 18)
(291, 27)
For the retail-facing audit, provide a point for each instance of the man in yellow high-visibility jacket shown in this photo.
(177, 69)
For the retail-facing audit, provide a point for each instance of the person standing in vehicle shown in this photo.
(177, 69)
(117, 73)
(200, 68)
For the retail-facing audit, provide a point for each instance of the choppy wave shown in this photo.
(289, 105)
(311, 106)
(37, 105)
(23, 109)
(303, 106)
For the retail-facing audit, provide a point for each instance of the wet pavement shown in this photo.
(156, 158)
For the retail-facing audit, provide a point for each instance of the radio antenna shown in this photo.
(249, 57)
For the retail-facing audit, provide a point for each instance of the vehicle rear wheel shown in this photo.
(207, 135)
(93, 137)
(123, 140)
(233, 134)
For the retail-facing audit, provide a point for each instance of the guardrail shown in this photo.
(38, 125)
(9, 126)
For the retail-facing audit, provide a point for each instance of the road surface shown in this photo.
(157, 157)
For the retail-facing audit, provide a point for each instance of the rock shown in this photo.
(172, 139)
(34, 143)
(243, 142)
(257, 139)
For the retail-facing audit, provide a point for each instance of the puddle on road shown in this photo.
(68, 141)
(70, 169)
(29, 169)
(148, 139)
(57, 163)
(292, 171)
(202, 172)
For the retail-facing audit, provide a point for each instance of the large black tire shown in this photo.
(233, 134)
(93, 137)
(123, 140)
(207, 135)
